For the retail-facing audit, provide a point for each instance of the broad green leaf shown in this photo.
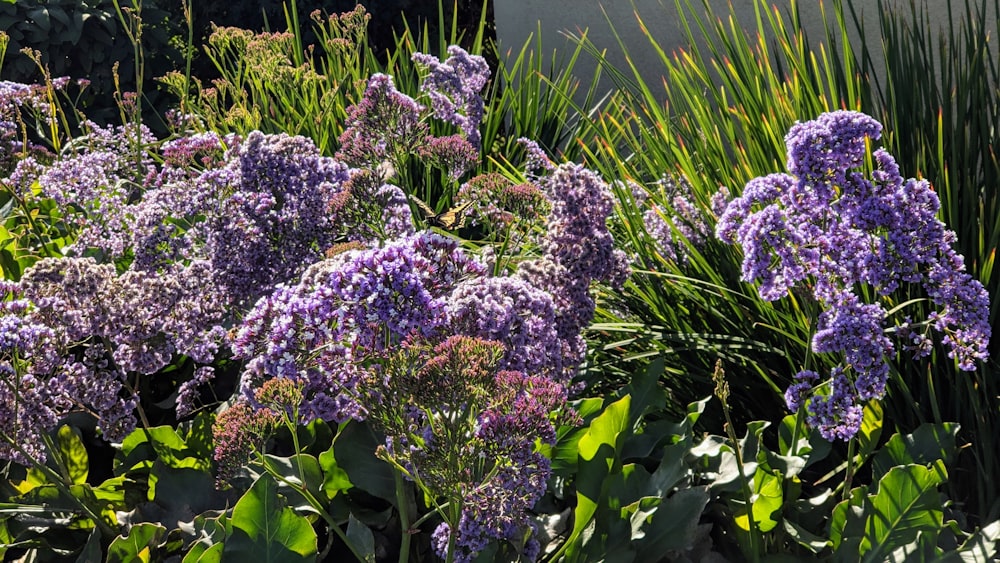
(597, 456)
(923, 548)
(213, 554)
(871, 429)
(209, 535)
(335, 479)
(137, 545)
(161, 443)
(605, 429)
(927, 444)
(354, 451)
(767, 499)
(182, 492)
(73, 454)
(848, 520)
(670, 525)
(265, 530)
(644, 390)
(361, 538)
(907, 502)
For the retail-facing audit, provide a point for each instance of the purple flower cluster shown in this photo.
(355, 302)
(455, 88)
(98, 328)
(273, 220)
(577, 249)
(451, 402)
(828, 225)
(384, 126)
(24, 349)
(511, 311)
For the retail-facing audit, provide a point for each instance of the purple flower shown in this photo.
(357, 302)
(455, 88)
(384, 126)
(577, 249)
(515, 313)
(827, 225)
(837, 415)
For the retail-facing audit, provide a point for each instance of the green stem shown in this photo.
(755, 539)
(799, 419)
(849, 476)
(404, 517)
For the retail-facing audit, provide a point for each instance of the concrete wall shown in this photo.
(516, 20)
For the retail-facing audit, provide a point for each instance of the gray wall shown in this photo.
(516, 20)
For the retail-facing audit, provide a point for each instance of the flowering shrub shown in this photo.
(313, 276)
(827, 226)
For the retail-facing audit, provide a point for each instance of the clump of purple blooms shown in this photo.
(455, 88)
(577, 249)
(72, 337)
(827, 226)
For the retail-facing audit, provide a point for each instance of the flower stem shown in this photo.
(404, 517)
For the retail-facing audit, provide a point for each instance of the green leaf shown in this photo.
(209, 535)
(605, 429)
(906, 503)
(670, 525)
(361, 538)
(354, 451)
(138, 545)
(288, 468)
(848, 520)
(927, 444)
(91, 550)
(335, 479)
(265, 530)
(645, 390)
(73, 453)
(923, 548)
(597, 456)
(981, 546)
(767, 500)
(803, 537)
(871, 429)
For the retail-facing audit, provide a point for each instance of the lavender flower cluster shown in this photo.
(337, 333)
(826, 225)
(387, 127)
(356, 301)
(455, 88)
(70, 337)
(577, 249)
